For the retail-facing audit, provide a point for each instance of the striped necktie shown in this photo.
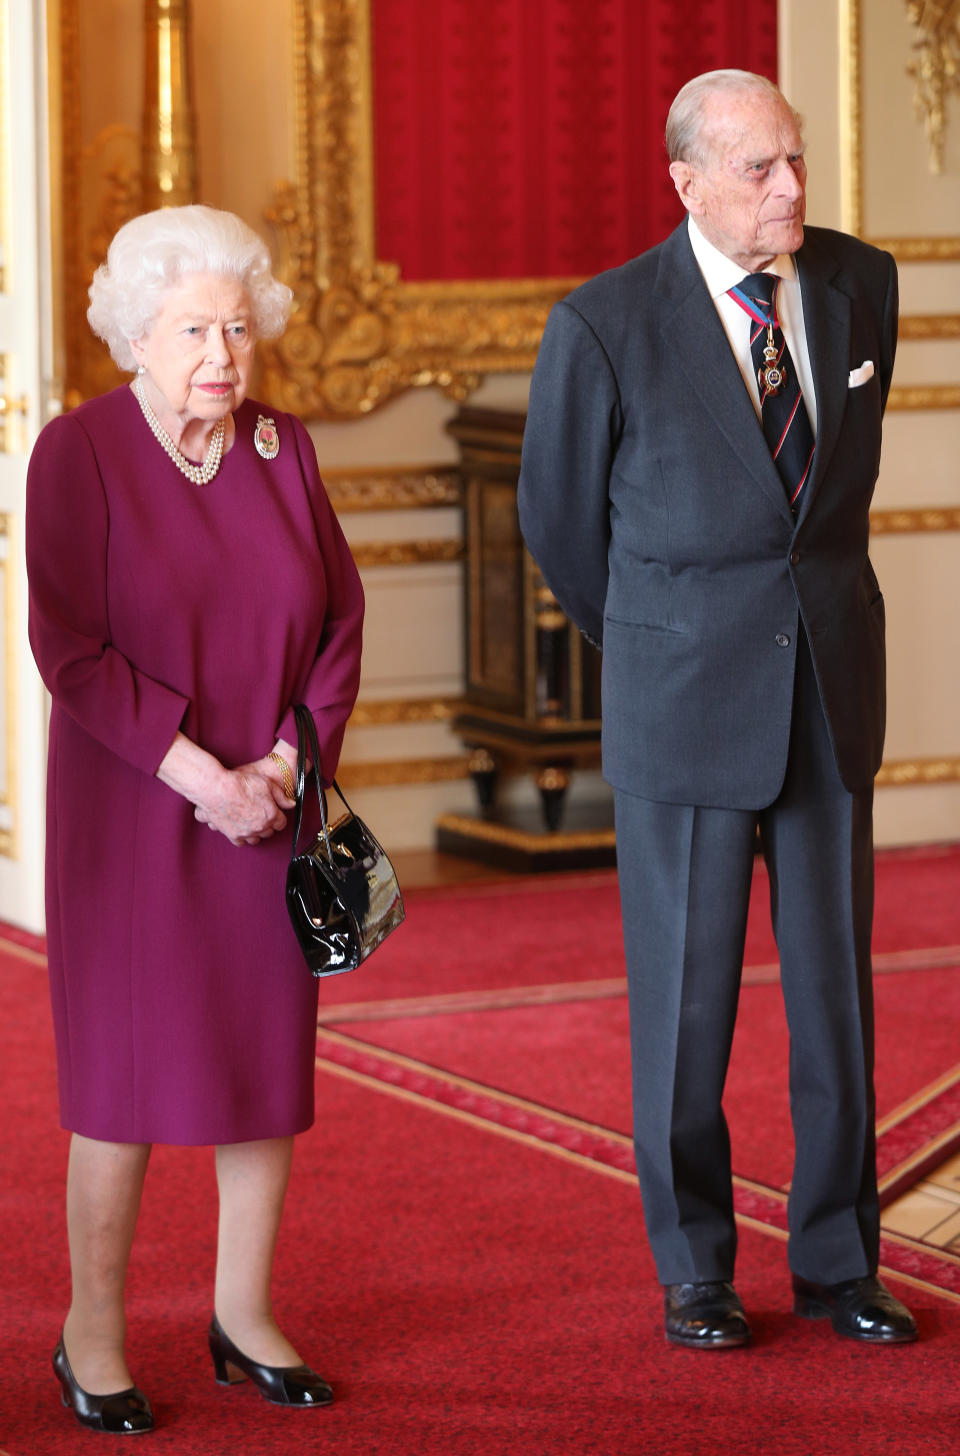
(786, 424)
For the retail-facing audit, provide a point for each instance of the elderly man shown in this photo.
(701, 449)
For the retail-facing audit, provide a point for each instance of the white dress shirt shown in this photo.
(720, 273)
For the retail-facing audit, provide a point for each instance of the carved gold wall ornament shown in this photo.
(935, 518)
(906, 772)
(378, 712)
(942, 249)
(935, 69)
(393, 488)
(359, 334)
(406, 553)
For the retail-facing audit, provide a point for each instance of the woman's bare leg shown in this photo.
(104, 1184)
(252, 1179)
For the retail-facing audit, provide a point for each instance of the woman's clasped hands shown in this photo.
(248, 804)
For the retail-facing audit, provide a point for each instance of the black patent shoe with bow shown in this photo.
(280, 1384)
(124, 1413)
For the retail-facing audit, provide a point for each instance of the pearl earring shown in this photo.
(141, 369)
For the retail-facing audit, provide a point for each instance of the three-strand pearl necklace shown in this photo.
(199, 474)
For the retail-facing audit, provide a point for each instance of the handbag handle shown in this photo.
(307, 742)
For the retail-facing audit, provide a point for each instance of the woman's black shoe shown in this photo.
(127, 1413)
(280, 1384)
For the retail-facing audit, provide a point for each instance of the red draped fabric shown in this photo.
(524, 138)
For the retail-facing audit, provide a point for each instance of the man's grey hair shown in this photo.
(150, 255)
(688, 137)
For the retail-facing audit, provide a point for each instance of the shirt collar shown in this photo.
(722, 273)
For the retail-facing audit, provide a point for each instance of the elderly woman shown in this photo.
(188, 585)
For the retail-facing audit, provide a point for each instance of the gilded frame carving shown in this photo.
(360, 334)
(940, 249)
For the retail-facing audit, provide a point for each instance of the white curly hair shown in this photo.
(152, 252)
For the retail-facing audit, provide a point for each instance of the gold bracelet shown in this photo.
(286, 773)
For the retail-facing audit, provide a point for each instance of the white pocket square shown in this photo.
(861, 375)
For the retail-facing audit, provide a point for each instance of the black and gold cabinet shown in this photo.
(532, 699)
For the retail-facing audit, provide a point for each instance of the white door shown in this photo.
(25, 355)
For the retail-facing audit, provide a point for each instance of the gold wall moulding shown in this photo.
(169, 124)
(932, 518)
(929, 326)
(389, 773)
(920, 250)
(924, 397)
(904, 249)
(393, 488)
(905, 772)
(407, 553)
(359, 334)
(935, 69)
(380, 712)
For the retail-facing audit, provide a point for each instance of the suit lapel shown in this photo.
(826, 319)
(700, 345)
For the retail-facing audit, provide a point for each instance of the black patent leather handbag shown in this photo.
(342, 893)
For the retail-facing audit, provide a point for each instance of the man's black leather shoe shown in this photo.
(860, 1308)
(706, 1316)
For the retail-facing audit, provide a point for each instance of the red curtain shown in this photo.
(524, 138)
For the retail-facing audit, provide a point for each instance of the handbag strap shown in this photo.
(307, 746)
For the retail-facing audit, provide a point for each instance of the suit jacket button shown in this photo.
(782, 639)
(794, 557)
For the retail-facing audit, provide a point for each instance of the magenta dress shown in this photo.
(183, 1010)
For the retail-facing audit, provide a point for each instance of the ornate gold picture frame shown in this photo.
(359, 333)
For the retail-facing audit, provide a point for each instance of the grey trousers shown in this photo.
(685, 877)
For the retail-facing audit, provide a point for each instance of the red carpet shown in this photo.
(468, 1270)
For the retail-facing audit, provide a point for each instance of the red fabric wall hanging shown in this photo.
(524, 138)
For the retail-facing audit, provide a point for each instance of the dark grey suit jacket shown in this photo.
(650, 501)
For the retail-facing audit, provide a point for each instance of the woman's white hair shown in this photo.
(151, 253)
(688, 135)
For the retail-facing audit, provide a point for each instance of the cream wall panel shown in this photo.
(901, 195)
(926, 814)
(921, 461)
(918, 574)
(439, 523)
(928, 361)
(931, 287)
(402, 740)
(413, 634)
